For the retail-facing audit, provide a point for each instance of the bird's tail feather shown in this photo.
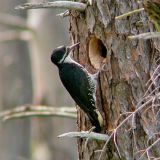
(96, 120)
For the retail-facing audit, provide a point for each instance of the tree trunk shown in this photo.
(15, 90)
(122, 84)
(50, 32)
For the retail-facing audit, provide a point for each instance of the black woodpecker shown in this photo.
(80, 84)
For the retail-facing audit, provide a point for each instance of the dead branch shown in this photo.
(105, 146)
(148, 35)
(85, 134)
(64, 14)
(147, 149)
(153, 80)
(129, 13)
(153, 75)
(114, 138)
(139, 107)
(56, 4)
(26, 111)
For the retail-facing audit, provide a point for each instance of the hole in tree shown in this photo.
(97, 52)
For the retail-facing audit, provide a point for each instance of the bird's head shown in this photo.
(61, 53)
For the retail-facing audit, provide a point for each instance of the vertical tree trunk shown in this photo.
(128, 66)
(15, 89)
(50, 32)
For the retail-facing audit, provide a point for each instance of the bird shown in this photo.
(80, 84)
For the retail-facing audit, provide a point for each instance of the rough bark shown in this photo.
(128, 66)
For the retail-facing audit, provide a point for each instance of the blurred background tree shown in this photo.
(27, 76)
(15, 89)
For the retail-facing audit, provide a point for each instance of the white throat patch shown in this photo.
(63, 58)
(68, 59)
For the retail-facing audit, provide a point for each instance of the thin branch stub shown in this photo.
(129, 13)
(148, 35)
(64, 14)
(85, 134)
(56, 4)
(29, 111)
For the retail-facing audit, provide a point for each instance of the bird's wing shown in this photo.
(80, 86)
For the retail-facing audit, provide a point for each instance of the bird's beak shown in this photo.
(73, 46)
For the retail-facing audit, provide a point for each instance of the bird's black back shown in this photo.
(76, 82)
(81, 88)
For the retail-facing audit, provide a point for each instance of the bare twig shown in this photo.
(114, 138)
(148, 155)
(147, 149)
(64, 14)
(87, 140)
(105, 146)
(26, 111)
(153, 105)
(39, 113)
(85, 134)
(132, 115)
(153, 75)
(152, 92)
(148, 101)
(129, 13)
(56, 4)
(153, 80)
(148, 35)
